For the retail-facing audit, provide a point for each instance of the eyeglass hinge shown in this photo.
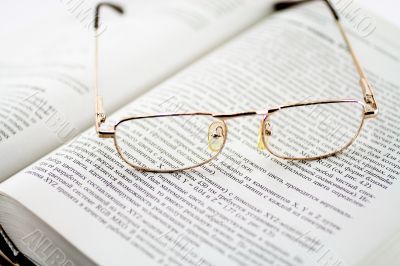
(104, 129)
(100, 118)
(372, 107)
(369, 99)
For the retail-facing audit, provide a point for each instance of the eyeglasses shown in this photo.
(171, 142)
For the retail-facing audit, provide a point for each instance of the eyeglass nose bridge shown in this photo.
(264, 132)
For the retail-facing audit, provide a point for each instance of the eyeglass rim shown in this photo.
(155, 170)
(344, 147)
(109, 129)
(225, 116)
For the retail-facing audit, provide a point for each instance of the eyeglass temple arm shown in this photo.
(364, 83)
(100, 114)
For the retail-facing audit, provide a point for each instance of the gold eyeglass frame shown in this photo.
(106, 129)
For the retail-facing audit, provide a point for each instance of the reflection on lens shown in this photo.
(167, 143)
(313, 130)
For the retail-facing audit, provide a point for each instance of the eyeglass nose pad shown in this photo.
(216, 136)
(263, 134)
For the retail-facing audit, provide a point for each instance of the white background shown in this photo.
(388, 9)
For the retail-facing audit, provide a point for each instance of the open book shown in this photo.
(68, 199)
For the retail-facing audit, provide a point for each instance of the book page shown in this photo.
(246, 207)
(46, 88)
